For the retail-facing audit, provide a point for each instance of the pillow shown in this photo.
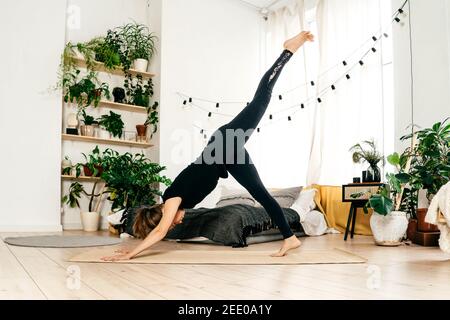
(234, 196)
(284, 197)
(305, 203)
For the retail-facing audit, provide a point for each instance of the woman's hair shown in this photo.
(146, 220)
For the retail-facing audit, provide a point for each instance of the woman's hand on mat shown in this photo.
(118, 257)
(123, 251)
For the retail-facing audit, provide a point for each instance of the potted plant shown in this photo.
(366, 151)
(89, 124)
(112, 123)
(389, 221)
(84, 92)
(93, 165)
(90, 219)
(131, 180)
(430, 167)
(140, 43)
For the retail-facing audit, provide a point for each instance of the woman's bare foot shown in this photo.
(289, 244)
(299, 40)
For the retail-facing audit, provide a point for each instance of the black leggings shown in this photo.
(248, 119)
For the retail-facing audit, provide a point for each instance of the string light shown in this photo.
(324, 91)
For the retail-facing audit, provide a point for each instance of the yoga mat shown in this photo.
(62, 241)
(231, 257)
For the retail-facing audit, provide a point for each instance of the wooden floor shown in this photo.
(406, 272)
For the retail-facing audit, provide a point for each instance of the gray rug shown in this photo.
(62, 241)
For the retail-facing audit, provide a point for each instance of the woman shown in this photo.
(225, 153)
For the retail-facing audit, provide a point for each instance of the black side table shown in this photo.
(360, 202)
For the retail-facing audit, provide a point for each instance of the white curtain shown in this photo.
(354, 111)
(281, 150)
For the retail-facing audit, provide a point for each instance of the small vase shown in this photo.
(374, 173)
(140, 65)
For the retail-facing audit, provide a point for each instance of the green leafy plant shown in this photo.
(139, 41)
(84, 92)
(112, 123)
(391, 196)
(76, 191)
(366, 151)
(132, 180)
(113, 50)
(93, 163)
(87, 119)
(430, 168)
(138, 91)
(152, 118)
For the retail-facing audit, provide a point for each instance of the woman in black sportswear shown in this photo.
(225, 153)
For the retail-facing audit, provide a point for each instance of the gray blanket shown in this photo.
(230, 225)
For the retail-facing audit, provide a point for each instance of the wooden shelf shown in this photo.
(117, 142)
(99, 66)
(121, 106)
(81, 178)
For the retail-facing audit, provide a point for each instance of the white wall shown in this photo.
(32, 34)
(210, 49)
(431, 66)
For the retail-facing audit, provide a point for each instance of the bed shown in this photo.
(238, 220)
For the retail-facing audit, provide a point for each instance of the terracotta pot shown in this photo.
(89, 173)
(422, 226)
(412, 229)
(141, 130)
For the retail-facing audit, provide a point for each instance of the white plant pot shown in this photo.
(90, 221)
(389, 230)
(140, 65)
(103, 134)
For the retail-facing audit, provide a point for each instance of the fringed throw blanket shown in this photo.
(230, 225)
